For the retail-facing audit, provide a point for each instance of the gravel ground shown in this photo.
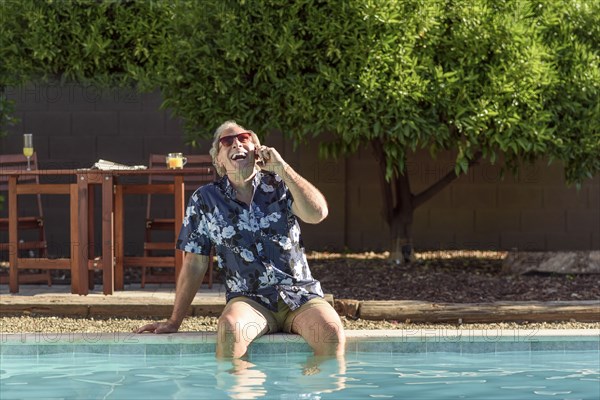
(20, 324)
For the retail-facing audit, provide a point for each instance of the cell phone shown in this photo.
(258, 158)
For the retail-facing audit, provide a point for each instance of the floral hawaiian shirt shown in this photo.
(258, 246)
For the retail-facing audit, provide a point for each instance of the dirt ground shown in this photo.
(463, 277)
(449, 277)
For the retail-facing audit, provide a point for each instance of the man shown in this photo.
(250, 217)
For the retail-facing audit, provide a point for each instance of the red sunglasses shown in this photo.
(243, 137)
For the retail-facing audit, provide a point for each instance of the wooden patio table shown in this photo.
(82, 222)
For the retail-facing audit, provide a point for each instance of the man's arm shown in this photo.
(189, 281)
(309, 203)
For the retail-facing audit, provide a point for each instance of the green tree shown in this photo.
(107, 43)
(485, 78)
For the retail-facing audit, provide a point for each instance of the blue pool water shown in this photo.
(362, 375)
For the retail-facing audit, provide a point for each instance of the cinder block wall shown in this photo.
(487, 209)
(74, 126)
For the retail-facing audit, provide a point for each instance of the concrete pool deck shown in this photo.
(156, 300)
(153, 300)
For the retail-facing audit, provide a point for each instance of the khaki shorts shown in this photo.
(282, 319)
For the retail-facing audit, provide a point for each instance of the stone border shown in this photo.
(555, 262)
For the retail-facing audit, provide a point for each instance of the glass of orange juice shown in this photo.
(28, 148)
(176, 160)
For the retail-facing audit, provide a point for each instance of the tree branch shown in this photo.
(437, 187)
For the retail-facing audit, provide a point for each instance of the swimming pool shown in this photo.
(378, 364)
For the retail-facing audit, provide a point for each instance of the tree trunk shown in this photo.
(401, 222)
(398, 209)
(400, 203)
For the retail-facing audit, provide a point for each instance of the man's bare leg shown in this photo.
(322, 329)
(238, 326)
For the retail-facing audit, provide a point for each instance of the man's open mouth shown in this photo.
(239, 156)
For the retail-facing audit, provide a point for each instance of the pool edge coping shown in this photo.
(352, 336)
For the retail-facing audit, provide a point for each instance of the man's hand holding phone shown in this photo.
(269, 159)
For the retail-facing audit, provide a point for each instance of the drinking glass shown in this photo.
(176, 160)
(28, 148)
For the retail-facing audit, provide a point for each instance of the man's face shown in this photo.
(236, 150)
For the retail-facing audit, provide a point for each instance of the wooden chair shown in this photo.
(157, 224)
(28, 222)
